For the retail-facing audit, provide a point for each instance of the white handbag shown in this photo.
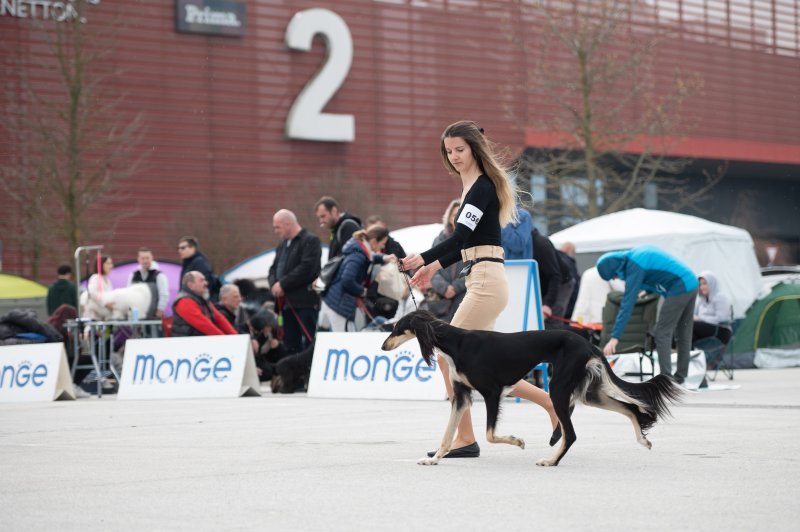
(391, 283)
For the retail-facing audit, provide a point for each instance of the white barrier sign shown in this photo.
(188, 367)
(34, 372)
(352, 365)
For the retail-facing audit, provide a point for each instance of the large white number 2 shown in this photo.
(306, 120)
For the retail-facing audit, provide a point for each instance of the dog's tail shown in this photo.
(652, 398)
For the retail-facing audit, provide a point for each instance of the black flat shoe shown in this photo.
(468, 451)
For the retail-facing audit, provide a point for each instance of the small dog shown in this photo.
(122, 300)
(493, 363)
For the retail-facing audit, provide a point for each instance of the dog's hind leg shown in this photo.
(561, 404)
(601, 400)
(462, 399)
(492, 414)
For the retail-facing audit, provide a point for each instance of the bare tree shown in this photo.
(74, 146)
(592, 74)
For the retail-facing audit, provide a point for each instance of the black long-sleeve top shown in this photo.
(477, 224)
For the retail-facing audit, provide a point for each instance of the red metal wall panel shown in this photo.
(215, 108)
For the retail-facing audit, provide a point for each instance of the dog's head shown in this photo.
(419, 324)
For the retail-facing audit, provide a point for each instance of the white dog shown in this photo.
(122, 300)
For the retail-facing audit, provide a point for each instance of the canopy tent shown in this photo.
(414, 239)
(18, 292)
(769, 335)
(702, 245)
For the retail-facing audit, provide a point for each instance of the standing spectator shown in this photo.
(651, 269)
(230, 302)
(566, 255)
(192, 312)
(447, 286)
(193, 260)
(296, 265)
(341, 224)
(155, 279)
(556, 285)
(63, 291)
(712, 311)
(98, 284)
(340, 299)
(517, 238)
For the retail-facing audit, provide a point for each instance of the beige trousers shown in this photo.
(487, 290)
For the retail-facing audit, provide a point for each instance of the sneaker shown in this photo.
(79, 392)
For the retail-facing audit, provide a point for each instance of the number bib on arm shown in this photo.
(470, 216)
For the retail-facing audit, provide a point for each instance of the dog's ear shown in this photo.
(425, 336)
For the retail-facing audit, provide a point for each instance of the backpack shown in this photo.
(327, 274)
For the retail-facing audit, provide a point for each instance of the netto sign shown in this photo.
(211, 17)
(58, 10)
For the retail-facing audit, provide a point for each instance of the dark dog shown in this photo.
(493, 363)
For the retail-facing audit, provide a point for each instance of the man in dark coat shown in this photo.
(556, 283)
(296, 265)
(193, 260)
(341, 224)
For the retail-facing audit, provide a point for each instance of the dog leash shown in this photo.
(408, 284)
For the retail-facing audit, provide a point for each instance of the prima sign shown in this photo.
(210, 17)
(56, 10)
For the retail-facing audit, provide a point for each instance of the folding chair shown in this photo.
(715, 350)
(637, 337)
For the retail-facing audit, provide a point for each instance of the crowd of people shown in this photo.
(484, 227)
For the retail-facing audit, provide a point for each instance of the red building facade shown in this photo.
(215, 93)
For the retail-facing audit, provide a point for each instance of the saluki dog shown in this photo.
(493, 362)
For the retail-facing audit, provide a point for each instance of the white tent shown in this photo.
(414, 239)
(702, 245)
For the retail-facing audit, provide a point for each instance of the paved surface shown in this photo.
(727, 461)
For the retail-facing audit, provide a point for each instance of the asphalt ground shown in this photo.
(728, 460)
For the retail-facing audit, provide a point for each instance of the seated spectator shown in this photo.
(230, 301)
(63, 291)
(448, 288)
(269, 350)
(712, 310)
(192, 312)
(339, 302)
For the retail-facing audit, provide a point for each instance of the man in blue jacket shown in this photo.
(651, 269)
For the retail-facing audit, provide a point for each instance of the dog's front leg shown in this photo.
(458, 404)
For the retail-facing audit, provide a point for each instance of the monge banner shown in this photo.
(352, 365)
(191, 367)
(34, 372)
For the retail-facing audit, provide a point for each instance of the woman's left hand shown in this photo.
(412, 262)
(422, 277)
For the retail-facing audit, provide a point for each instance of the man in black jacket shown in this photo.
(556, 283)
(296, 265)
(193, 260)
(341, 224)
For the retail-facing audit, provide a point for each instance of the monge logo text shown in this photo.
(397, 367)
(22, 374)
(151, 369)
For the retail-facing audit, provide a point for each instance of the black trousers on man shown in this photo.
(295, 339)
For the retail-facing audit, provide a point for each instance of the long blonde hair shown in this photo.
(482, 150)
